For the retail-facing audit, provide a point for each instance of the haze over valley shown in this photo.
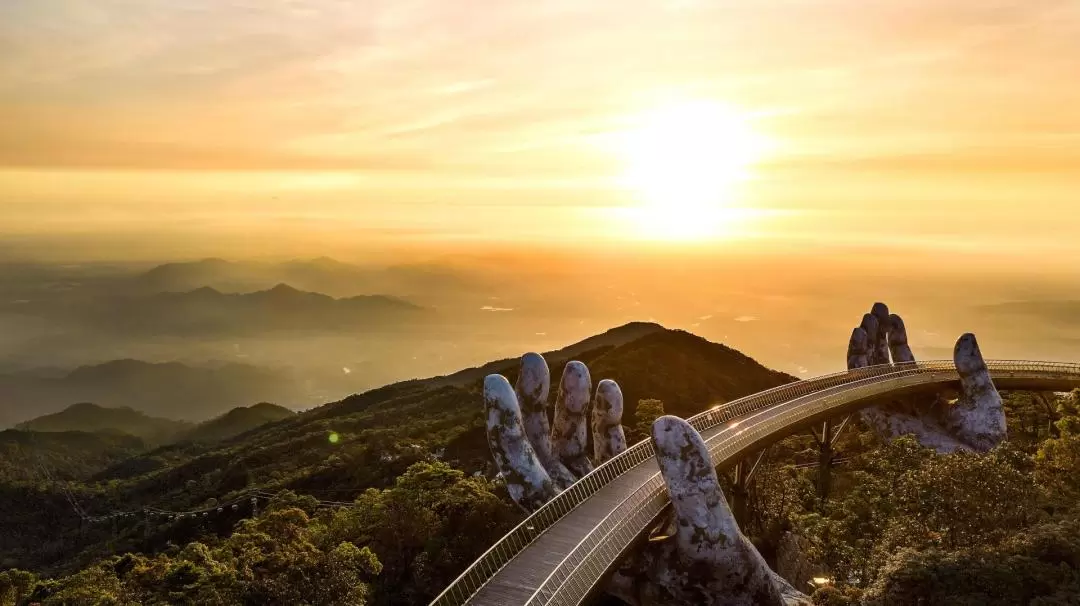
(191, 339)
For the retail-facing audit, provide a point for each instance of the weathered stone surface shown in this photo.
(607, 432)
(926, 428)
(794, 562)
(870, 326)
(719, 565)
(978, 418)
(703, 558)
(532, 389)
(857, 353)
(570, 433)
(713, 564)
(879, 342)
(975, 422)
(898, 341)
(527, 481)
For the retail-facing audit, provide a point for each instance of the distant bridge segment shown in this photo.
(562, 552)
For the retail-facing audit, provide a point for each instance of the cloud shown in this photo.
(911, 104)
(241, 82)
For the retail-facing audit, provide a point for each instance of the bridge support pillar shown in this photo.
(825, 460)
(742, 475)
(826, 453)
(739, 492)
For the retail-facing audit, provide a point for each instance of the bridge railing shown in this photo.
(574, 578)
(470, 581)
(514, 542)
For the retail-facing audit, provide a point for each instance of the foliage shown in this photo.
(1040, 565)
(68, 455)
(903, 524)
(398, 545)
(648, 411)
(906, 525)
(1058, 459)
(412, 455)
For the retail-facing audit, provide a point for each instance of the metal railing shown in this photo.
(765, 413)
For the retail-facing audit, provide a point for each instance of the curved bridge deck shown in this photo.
(561, 553)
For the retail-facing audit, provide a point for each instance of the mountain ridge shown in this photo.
(92, 418)
(172, 390)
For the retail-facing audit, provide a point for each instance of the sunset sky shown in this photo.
(932, 124)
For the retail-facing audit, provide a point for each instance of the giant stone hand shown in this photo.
(538, 460)
(706, 561)
(975, 421)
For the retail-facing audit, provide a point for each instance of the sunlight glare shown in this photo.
(683, 162)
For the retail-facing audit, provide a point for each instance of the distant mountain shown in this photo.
(323, 275)
(237, 421)
(206, 311)
(87, 418)
(176, 277)
(91, 418)
(170, 390)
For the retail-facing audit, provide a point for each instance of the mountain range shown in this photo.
(322, 274)
(171, 390)
(91, 418)
(206, 311)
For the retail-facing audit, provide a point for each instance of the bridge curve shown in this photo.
(561, 553)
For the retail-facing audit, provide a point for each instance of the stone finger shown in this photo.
(898, 341)
(707, 534)
(570, 432)
(607, 431)
(526, 479)
(857, 354)
(532, 388)
(978, 417)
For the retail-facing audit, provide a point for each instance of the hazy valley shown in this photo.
(191, 340)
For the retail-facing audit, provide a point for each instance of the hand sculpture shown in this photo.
(538, 461)
(975, 422)
(706, 561)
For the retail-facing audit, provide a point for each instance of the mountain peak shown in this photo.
(237, 421)
(283, 289)
(89, 417)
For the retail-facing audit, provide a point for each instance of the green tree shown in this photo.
(647, 412)
(1038, 566)
(1057, 462)
(426, 529)
(15, 585)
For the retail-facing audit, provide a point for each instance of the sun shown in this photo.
(683, 162)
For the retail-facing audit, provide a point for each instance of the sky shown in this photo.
(916, 125)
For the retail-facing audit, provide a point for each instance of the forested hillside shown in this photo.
(384, 497)
(374, 446)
